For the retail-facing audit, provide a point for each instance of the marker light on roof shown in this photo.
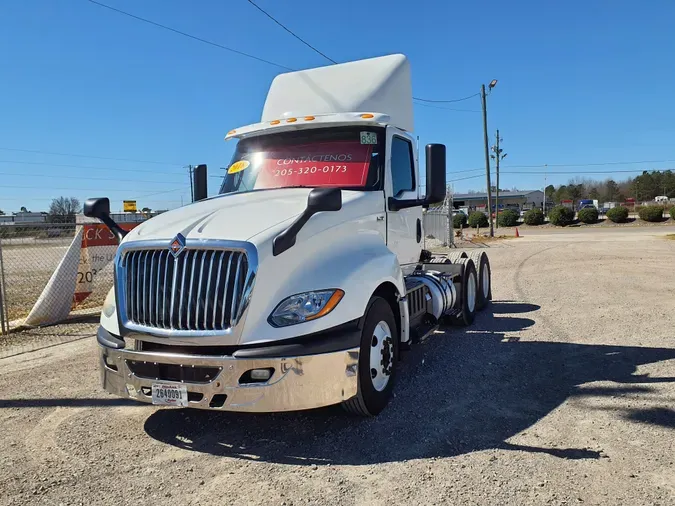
(275, 122)
(291, 120)
(367, 116)
(231, 132)
(309, 118)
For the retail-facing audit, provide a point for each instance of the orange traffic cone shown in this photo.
(517, 234)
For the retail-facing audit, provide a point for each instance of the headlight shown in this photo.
(304, 307)
(109, 304)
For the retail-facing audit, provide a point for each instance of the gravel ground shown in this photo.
(561, 393)
(31, 339)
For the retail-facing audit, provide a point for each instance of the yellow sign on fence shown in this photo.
(129, 206)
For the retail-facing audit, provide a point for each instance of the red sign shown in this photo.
(97, 234)
(317, 164)
(97, 252)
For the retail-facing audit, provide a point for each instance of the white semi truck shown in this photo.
(300, 283)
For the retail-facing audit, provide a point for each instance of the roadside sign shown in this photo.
(129, 206)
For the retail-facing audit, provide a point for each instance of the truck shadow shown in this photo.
(458, 392)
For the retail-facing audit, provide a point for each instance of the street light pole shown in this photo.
(487, 160)
(487, 155)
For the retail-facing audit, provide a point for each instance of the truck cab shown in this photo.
(300, 282)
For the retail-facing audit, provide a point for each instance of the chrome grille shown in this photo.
(200, 290)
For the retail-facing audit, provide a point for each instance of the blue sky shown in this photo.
(580, 82)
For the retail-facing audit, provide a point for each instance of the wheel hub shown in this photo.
(381, 356)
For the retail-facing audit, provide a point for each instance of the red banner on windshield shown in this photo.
(318, 164)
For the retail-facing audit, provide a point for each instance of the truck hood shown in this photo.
(236, 217)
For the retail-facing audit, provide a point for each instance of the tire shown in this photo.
(468, 293)
(374, 392)
(456, 256)
(484, 294)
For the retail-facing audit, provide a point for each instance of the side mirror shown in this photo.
(100, 208)
(318, 200)
(200, 183)
(324, 199)
(435, 155)
(95, 208)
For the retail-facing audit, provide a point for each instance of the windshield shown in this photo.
(350, 158)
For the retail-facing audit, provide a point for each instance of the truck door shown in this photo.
(404, 227)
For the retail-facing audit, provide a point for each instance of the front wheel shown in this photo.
(377, 360)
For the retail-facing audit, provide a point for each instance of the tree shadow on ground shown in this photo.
(460, 391)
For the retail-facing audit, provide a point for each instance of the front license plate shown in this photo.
(169, 395)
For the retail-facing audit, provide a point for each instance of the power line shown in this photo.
(445, 108)
(585, 164)
(545, 166)
(290, 31)
(86, 156)
(159, 193)
(185, 34)
(59, 176)
(107, 190)
(247, 55)
(107, 169)
(49, 199)
(275, 20)
(464, 178)
(574, 173)
(447, 101)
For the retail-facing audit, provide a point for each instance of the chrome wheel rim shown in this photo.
(471, 292)
(381, 356)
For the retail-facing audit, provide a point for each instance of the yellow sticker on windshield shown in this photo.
(238, 166)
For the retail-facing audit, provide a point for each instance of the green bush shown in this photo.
(618, 214)
(534, 217)
(588, 215)
(459, 220)
(561, 216)
(507, 218)
(651, 213)
(672, 212)
(478, 219)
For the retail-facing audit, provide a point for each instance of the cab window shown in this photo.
(402, 166)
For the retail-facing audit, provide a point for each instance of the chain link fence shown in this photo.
(51, 273)
(436, 231)
(437, 224)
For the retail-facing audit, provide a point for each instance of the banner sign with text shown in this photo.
(99, 246)
(326, 164)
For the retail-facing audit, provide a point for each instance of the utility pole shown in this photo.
(497, 156)
(545, 175)
(192, 191)
(487, 154)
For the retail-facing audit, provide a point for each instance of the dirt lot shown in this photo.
(561, 393)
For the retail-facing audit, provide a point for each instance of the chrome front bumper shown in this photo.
(297, 383)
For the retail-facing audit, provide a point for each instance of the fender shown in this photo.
(335, 257)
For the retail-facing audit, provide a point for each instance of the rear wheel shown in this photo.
(480, 260)
(377, 360)
(468, 293)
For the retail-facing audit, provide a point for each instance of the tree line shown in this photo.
(64, 210)
(645, 187)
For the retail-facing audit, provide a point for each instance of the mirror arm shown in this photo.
(118, 231)
(286, 239)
